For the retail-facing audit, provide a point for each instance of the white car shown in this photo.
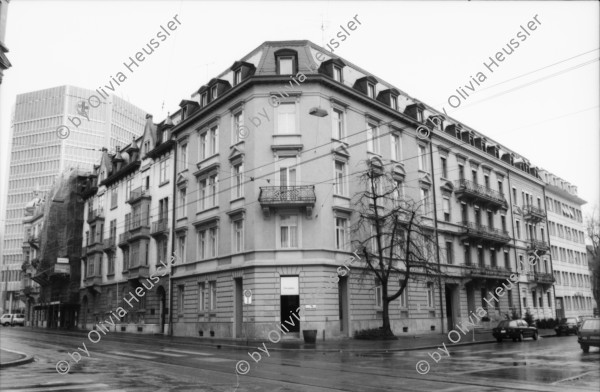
(18, 319)
(6, 319)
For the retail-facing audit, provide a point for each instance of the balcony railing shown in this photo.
(92, 280)
(160, 226)
(484, 234)
(95, 214)
(287, 196)
(533, 214)
(138, 193)
(109, 243)
(138, 272)
(540, 277)
(470, 191)
(124, 237)
(95, 247)
(488, 272)
(540, 247)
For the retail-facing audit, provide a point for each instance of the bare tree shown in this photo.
(395, 239)
(593, 232)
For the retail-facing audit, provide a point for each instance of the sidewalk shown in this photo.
(13, 358)
(404, 342)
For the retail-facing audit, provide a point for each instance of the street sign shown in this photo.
(247, 297)
(62, 260)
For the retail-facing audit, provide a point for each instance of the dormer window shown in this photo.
(165, 135)
(371, 90)
(237, 77)
(337, 73)
(183, 113)
(204, 99)
(285, 65)
(213, 93)
(419, 115)
(394, 102)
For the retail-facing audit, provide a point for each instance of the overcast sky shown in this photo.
(427, 49)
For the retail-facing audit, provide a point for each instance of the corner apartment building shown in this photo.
(128, 230)
(269, 155)
(32, 224)
(573, 286)
(4, 62)
(38, 154)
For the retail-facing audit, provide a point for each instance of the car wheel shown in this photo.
(535, 336)
(520, 336)
(499, 340)
(586, 349)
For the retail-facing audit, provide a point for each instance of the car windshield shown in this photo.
(503, 324)
(591, 324)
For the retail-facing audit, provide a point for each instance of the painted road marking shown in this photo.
(131, 355)
(159, 353)
(186, 352)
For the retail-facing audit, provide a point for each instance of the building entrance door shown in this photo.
(290, 302)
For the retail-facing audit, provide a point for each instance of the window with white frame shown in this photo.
(212, 188)
(181, 247)
(378, 295)
(286, 65)
(337, 73)
(338, 124)
(373, 239)
(286, 118)
(422, 158)
(371, 90)
(204, 99)
(340, 178)
(182, 203)
(238, 181)
(403, 299)
(183, 157)
(213, 241)
(208, 143)
(201, 245)
(425, 200)
(394, 102)
(238, 122)
(213, 93)
(128, 186)
(207, 192)
(287, 172)
(180, 298)
(213, 294)
(202, 194)
(341, 233)
(446, 208)
(398, 192)
(444, 166)
(372, 138)
(201, 297)
(237, 77)
(430, 295)
(288, 229)
(396, 146)
(238, 235)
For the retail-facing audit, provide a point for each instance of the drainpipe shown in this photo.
(512, 225)
(435, 231)
(172, 237)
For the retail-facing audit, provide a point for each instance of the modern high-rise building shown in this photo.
(43, 146)
(573, 286)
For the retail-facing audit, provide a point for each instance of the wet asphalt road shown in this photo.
(122, 362)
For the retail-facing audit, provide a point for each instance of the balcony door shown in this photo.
(287, 174)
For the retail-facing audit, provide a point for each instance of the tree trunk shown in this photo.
(387, 328)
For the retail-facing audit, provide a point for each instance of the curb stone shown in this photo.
(17, 362)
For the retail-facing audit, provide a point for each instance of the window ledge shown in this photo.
(163, 183)
(237, 199)
(342, 197)
(207, 210)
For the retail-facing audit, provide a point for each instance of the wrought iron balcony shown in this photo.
(469, 191)
(160, 227)
(93, 280)
(97, 214)
(140, 226)
(287, 196)
(541, 277)
(533, 214)
(95, 247)
(109, 244)
(123, 238)
(539, 247)
(486, 272)
(484, 234)
(138, 272)
(137, 194)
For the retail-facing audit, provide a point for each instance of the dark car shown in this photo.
(514, 329)
(589, 334)
(566, 326)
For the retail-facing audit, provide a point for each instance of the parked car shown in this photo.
(514, 329)
(6, 319)
(566, 326)
(581, 319)
(589, 334)
(18, 319)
